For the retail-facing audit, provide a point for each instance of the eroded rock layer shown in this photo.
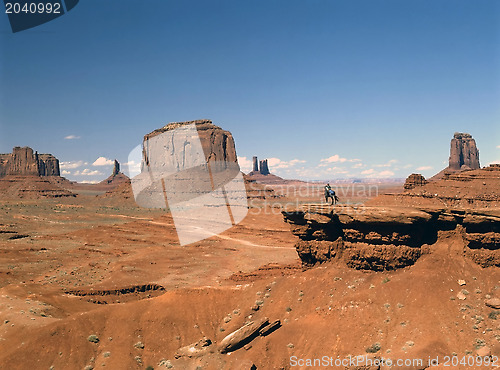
(378, 238)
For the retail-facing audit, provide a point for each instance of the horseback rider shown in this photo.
(330, 193)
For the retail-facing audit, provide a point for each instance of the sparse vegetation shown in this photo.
(375, 347)
(478, 343)
(93, 338)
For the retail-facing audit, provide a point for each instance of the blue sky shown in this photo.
(324, 89)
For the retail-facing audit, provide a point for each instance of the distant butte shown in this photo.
(463, 184)
(116, 178)
(464, 155)
(27, 174)
(22, 161)
(260, 173)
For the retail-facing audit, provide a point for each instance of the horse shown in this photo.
(329, 193)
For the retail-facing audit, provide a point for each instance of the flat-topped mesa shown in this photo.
(388, 238)
(23, 162)
(463, 152)
(218, 144)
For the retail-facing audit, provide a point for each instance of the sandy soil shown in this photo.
(76, 268)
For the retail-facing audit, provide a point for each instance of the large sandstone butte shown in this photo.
(217, 144)
(22, 161)
(174, 163)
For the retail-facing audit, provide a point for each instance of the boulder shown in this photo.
(242, 336)
(268, 329)
(493, 303)
(195, 349)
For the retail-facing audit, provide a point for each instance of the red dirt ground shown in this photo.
(78, 267)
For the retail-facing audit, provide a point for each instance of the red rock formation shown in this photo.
(464, 155)
(32, 187)
(377, 238)
(255, 167)
(462, 189)
(116, 178)
(415, 179)
(116, 168)
(23, 162)
(217, 144)
(463, 152)
(264, 168)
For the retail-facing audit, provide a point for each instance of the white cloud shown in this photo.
(498, 146)
(333, 159)
(388, 164)
(276, 163)
(88, 182)
(358, 165)
(245, 164)
(87, 172)
(424, 168)
(336, 159)
(103, 161)
(368, 172)
(64, 172)
(71, 137)
(72, 165)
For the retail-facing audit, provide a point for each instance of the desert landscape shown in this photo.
(393, 272)
(250, 185)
